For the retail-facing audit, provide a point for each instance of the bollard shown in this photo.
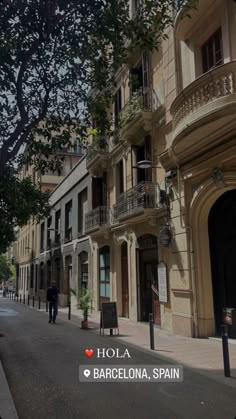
(46, 306)
(39, 303)
(28, 299)
(20, 298)
(17, 298)
(225, 347)
(24, 299)
(111, 332)
(69, 310)
(152, 345)
(33, 301)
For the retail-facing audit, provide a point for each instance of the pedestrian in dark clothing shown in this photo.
(52, 298)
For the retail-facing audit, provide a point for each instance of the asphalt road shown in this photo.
(41, 363)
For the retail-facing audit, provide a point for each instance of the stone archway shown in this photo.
(201, 204)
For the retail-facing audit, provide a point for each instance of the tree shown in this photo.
(5, 268)
(52, 53)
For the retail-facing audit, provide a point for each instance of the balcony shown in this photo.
(204, 112)
(136, 117)
(140, 201)
(97, 155)
(97, 219)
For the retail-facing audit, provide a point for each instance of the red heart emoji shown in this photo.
(89, 352)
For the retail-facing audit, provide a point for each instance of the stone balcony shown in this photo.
(136, 117)
(141, 201)
(204, 112)
(97, 156)
(98, 219)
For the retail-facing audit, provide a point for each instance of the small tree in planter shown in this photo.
(85, 299)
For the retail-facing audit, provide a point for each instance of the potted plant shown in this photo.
(85, 299)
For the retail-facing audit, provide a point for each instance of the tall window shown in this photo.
(42, 237)
(212, 52)
(82, 210)
(68, 221)
(104, 274)
(83, 268)
(58, 226)
(120, 178)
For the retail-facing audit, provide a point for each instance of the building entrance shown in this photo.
(148, 290)
(222, 238)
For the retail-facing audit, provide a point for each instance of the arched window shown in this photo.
(104, 274)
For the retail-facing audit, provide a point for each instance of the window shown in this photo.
(58, 226)
(212, 52)
(117, 106)
(82, 210)
(49, 224)
(104, 274)
(68, 221)
(83, 263)
(142, 152)
(42, 237)
(120, 178)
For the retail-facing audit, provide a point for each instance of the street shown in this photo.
(41, 363)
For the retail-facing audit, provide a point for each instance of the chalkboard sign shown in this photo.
(109, 318)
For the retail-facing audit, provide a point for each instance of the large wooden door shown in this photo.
(125, 281)
(151, 303)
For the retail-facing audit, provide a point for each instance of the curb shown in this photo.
(7, 407)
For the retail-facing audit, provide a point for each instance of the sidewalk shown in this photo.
(7, 407)
(202, 354)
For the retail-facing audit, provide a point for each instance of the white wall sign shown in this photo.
(162, 282)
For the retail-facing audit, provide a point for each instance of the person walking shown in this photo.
(52, 298)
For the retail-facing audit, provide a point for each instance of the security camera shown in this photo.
(171, 174)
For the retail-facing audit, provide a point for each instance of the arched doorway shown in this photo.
(148, 266)
(222, 238)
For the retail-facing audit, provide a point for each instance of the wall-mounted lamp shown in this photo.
(146, 164)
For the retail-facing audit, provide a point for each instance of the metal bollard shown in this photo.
(17, 298)
(69, 310)
(46, 306)
(24, 299)
(39, 303)
(151, 325)
(225, 347)
(33, 301)
(28, 299)
(111, 332)
(20, 298)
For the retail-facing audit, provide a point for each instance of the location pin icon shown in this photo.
(87, 373)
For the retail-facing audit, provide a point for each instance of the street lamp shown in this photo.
(146, 164)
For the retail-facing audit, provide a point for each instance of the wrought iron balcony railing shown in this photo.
(100, 146)
(145, 195)
(99, 217)
(143, 100)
